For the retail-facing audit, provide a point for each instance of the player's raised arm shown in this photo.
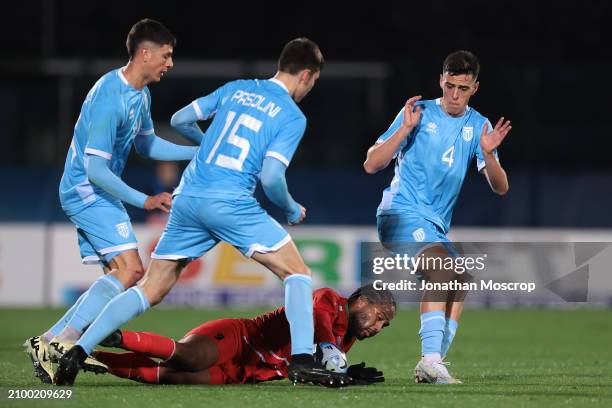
(380, 155)
(489, 141)
(185, 120)
(154, 147)
(148, 144)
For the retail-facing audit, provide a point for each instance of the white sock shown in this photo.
(69, 335)
(432, 358)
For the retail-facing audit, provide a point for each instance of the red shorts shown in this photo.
(242, 358)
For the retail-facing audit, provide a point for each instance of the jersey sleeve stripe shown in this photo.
(278, 156)
(147, 132)
(97, 152)
(197, 110)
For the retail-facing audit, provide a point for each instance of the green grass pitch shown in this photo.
(508, 358)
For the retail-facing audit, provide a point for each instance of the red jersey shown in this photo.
(268, 343)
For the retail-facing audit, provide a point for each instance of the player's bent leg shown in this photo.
(169, 375)
(126, 270)
(158, 280)
(132, 366)
(288, 265)
(194, 353)
(127, 267)
(213, 343)
(283, 262)
(161, 276)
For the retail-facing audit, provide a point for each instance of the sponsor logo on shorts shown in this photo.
(467, 133)
(419, 235)
(123, 229)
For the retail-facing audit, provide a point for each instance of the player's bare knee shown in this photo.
(297, 271)
(132, 274)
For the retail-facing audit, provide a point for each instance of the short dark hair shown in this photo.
(461, 63)
(300, 54)
(148, 30)
(377, 297)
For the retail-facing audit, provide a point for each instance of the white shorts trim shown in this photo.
(264, 249)
(91, 260)
(97, 152)
(131, 245)
(278, 156)
(170, 257)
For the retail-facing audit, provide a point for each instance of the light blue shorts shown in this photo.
(197, 224)
(411, 234)
(104, 231)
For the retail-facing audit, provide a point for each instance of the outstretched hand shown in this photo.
(411, 115)
(489, 141)
(363, 375)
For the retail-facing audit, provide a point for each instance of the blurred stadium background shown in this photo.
(546, 68)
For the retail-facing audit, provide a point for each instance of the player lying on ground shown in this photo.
(238, 351)
(433, 143)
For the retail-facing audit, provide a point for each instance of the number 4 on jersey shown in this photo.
(447, 157)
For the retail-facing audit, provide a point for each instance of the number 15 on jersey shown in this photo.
(234, 139)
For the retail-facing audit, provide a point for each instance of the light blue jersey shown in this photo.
(253, 119)
(112, 115)
(432, 162)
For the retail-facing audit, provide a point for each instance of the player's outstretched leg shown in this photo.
(150, 344)
(159, 279)
(126, 270)
(132, 366)
(288, 265)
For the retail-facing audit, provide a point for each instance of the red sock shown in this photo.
(151, 344)
(130, 365)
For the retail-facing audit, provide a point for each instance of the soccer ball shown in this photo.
(332, 358)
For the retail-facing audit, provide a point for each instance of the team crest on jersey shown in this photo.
(123, 229)
(419, 235)
(431, 128)
(467, 133)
